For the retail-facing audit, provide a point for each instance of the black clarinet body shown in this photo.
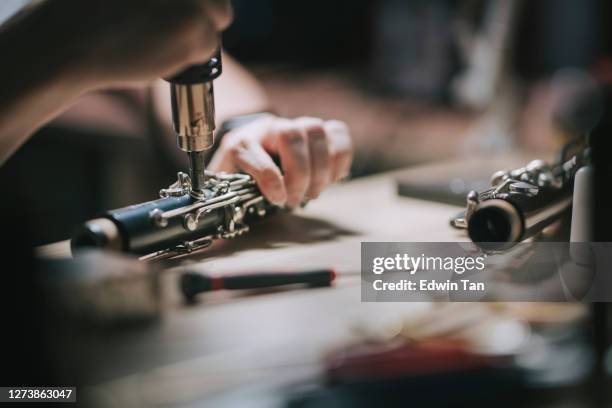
(181, 221)
(520, 203)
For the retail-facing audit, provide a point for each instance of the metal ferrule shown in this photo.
(193, 115)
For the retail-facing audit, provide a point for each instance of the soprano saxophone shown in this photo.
(181, 221)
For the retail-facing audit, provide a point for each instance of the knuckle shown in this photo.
(270, 179)
(310, 122)
(316, 133)
(291, 135)
(224, 19)
(220, 13)
(270, 176)
(337, 125)
(314, 127)
(236, 148)
(319, 145)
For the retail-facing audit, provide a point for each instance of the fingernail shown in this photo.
(279, 199)
(292, 203)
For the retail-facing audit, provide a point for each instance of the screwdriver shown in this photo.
(193, 283)
(193, 114)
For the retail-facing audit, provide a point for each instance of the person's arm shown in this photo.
(36, 82)
(60, 49)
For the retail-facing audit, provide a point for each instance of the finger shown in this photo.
(250, 157)
(205, 40)
(223, 159)
(294, 155)
(320, 164)
(341, 149)
(202, 26)
(220, 12)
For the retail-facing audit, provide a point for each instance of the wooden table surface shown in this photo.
(243, 342)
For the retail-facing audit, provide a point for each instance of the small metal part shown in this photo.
(182, 249)
(524, 188)
(236, 193)
(193, 113)
(197, 170)
(100, 232)
(545, 180)
(179, 188)
(537, 166)
(516, 173)
(157, 216)
(472, 202)
(499, 176)
(190, 222)
(472, 199)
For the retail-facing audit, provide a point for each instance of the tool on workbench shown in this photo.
(197, 209)
(193, 283)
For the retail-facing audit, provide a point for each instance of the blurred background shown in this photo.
(416, 81)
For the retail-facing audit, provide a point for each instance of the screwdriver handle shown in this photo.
(193, 283)
(200, 73)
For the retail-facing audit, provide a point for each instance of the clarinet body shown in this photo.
(181, 221)
(520, 203)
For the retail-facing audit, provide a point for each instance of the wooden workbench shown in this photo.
(251, 343)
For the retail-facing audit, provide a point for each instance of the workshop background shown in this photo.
(416, 81)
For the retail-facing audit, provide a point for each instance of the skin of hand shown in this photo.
(58, 50)
(134, 42)
(313, 154)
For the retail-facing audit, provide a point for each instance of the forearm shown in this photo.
(61, 49)
(36, 75)
(238, 92)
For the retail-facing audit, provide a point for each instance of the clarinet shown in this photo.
(182, 221)
(522, 202)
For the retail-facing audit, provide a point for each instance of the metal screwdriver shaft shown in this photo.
(193, 115)
(197, 169)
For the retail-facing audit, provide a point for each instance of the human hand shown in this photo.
(126, 43)
(313, 154)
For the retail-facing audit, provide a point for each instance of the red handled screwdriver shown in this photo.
(193, 283)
